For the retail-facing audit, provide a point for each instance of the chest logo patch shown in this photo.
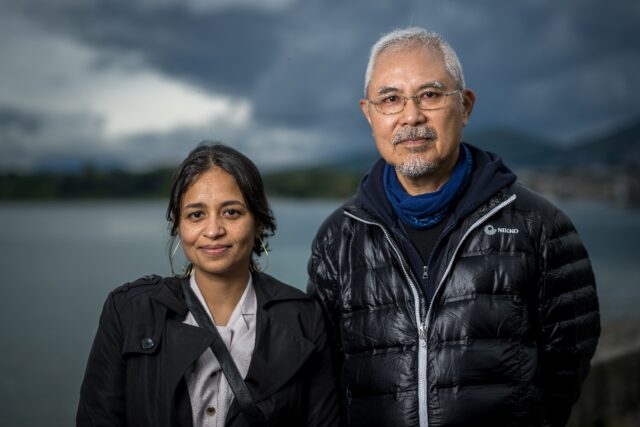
(490, 230)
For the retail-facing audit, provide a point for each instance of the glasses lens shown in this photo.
(431, 99)
(390, 104)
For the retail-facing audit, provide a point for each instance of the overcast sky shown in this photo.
(140, 82)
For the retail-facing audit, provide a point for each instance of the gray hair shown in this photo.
(415, 36)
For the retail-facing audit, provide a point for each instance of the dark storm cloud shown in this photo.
(304, 65)
(558, 69)
(43, 140)
(13, 120)
(223, 50)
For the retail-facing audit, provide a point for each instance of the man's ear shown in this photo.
(364, 106)
(468, 100)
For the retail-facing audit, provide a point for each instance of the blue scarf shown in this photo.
(426, 210)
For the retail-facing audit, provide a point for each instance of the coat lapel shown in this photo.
(279, 352)
(183, 343)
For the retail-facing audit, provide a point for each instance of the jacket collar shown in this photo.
(169, 294)
(489, 175)
(279, 352)
(269, 290)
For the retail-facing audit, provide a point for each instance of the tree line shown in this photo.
(92, 183)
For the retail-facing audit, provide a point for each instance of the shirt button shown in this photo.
(211, 410)
(147, 343)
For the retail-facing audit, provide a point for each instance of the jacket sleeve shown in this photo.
(569, 318)
(102, 392)
(323, 284)
(324, 287)
(323, 392)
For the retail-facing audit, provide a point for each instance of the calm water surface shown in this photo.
(61, 259)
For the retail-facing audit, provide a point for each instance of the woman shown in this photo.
(151, 363)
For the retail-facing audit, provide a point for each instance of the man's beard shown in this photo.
(415, 165)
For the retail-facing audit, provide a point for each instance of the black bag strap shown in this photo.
(248, 407)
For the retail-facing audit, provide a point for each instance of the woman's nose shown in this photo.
(214, 229)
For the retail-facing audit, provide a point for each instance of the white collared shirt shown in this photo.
(209, 390)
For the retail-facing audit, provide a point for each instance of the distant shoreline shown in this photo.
(618, 186)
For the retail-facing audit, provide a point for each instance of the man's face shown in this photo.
(429, 155)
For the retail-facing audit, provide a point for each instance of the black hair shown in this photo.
(210, 154)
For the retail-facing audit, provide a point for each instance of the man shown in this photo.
(456, 296)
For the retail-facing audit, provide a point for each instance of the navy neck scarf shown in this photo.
(426, 210)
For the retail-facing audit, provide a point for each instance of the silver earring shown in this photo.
(266, 252)
(175, 249)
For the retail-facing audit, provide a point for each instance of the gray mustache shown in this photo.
(408, 133)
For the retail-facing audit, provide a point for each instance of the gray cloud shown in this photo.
(559, 69)
(47, 140)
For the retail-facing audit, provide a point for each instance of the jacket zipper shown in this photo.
(423, 326)
(455, 252)
(422, 336)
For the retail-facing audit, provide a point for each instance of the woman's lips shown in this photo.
(214, 249)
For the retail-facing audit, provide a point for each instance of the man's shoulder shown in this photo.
(337, 217)
(540, 208)
(531, 200)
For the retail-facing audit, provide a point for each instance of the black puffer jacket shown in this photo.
(508, 335)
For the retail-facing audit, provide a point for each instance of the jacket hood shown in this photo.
(488, 176)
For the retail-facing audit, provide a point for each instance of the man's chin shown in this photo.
(416, 168)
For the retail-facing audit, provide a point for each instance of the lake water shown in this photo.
(59, 261)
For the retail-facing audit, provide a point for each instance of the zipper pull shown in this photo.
(425, 272)
(422, 333)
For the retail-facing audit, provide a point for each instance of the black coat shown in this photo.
(135, 373)
(506, 339)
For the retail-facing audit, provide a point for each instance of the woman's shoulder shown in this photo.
(270, 290)
(140, 289)
(288, 305)
(276, 284)
(274, 295)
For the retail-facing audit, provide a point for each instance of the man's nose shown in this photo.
(412, 115)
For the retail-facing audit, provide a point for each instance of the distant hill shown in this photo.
(517, 149)
(316, 182)
(620, 147)
(616, 148)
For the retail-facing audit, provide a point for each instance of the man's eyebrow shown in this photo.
(434, 84)
(386, 89)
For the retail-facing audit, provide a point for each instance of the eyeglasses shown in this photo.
(431, 99)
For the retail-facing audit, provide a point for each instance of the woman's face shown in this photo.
(216, 228)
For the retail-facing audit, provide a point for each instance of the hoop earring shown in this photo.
(266, 252)
(175, 249)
